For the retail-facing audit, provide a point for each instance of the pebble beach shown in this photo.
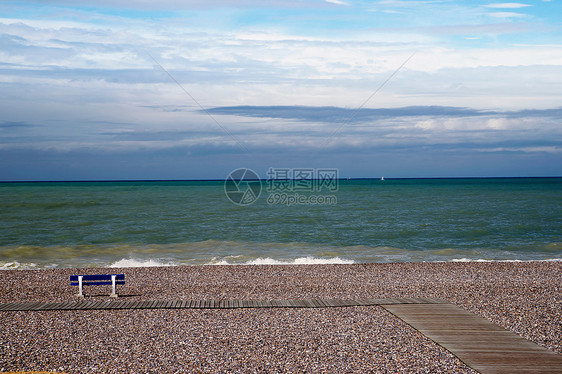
(524, 297)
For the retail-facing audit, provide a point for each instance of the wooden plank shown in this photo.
(309, 303)
(14, 307)
(479, 343)
(126, 304)
(368, 302)
(134, 304)
(120, 304)
(48, 306)
(313, 303)
(365, 302)
(380, 301)
(113, 305)
(67, 306)
(299, 303)
(213, 304)
(34, 305)
(141, 304)
(8, 307)
(17, 306)
(83, 305)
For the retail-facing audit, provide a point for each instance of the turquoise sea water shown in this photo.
(86, 224)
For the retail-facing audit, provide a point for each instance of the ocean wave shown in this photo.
(215, 252)
(309, 260)
(135, 263)
(14, 265)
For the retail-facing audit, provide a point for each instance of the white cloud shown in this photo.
(507, 15)
(507, 5)
(337, 2)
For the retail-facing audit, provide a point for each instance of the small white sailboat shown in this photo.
(382, 178)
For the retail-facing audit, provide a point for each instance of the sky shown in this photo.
(193, 89)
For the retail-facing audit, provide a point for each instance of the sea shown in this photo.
(169, 223)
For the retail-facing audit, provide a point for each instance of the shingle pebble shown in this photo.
(523, 297)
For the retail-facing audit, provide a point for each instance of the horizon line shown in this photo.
(223, 179)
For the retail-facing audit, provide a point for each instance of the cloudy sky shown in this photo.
(193, 89)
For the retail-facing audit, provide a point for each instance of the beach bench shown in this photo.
(97, 280)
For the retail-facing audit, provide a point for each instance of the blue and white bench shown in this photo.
(97, 280)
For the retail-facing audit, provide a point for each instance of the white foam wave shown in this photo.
(17, 266)
(134, 263)
(309, 260)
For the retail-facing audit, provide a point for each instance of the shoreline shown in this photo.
(524, 297)
(126, 263)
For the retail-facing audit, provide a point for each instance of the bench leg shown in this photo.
(113, 287)
(80, 294)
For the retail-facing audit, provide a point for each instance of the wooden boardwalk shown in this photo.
(206, 304)
(479, 343)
